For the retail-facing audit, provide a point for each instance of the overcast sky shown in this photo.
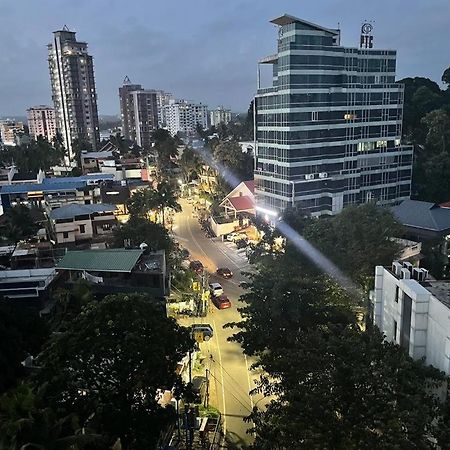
(204, 50)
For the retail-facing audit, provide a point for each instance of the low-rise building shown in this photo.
(240, 200)
(8, 131)
(120, 270)
(414, 312)
(93, 161)
(75, 223)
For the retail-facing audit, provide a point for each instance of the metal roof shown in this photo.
(42, 187)
(74, 209)
(109, 260)
(286, 19)
(424, 215)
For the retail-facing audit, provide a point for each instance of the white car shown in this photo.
(216, 289)
(233, 237)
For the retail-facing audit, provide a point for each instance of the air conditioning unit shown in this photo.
(323, 175)
(407, 265)
(309, 176)
(420, 274)
(405, 274)
(397, 268)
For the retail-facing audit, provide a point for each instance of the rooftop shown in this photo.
(440, 289)
(109, 260)
(424, 215)
(243, 203)
(286, 19)
(74, 209)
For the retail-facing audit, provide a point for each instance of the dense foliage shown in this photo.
(426, 124)
(101, 375)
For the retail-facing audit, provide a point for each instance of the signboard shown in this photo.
(366, 40)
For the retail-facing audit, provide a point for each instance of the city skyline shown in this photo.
(217, 48)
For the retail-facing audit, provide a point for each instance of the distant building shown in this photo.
(182, 116)
(8, 131)
(220, 115)
(162, 99)
(42, 122)
(73, 223)
(141, 111)
(414, 312)
(118, 270)
(73, 89)
(329, 127)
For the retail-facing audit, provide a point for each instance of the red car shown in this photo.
(224, 272)
(196, 266)
(222, 302)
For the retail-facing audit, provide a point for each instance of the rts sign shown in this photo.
(366, 36)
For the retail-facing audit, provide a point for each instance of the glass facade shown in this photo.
(328, 130)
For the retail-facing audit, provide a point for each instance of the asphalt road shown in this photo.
(229, 367)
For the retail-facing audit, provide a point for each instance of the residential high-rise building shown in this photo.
(162, 99)
(73, 89)
(182, 116)
(9, 129)
(139, 112)
(328, 130)
(220, 115)
(41, 122)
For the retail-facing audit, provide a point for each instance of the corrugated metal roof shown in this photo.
(109, 260)
(74, 209)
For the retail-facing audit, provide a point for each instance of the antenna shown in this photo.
(126, 80)
(65, 28)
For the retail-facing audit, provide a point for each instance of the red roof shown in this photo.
(242, 203)
(445, 204)
(251, 185)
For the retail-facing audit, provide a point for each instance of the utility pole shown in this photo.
(207, 389)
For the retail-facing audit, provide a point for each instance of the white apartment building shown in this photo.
(414, 312)
(182, 116)
(42, 122)
(8, 131)
(219, 115)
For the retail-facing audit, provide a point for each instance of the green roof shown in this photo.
(110, 260)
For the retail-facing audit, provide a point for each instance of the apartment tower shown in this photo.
(73, 89)
(328, 130)
(42, 122)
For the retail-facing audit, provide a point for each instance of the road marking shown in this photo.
(249, 388)
(223, 382)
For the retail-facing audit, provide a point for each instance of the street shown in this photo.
(230, 374)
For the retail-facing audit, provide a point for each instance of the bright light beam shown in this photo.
(300, 243)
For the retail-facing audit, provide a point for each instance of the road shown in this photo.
(229, 366)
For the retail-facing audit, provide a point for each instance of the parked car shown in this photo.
(241, 243)
(199, 388)
(204, 328)
(216, 289)
(224, 272)
(222, 301)
(184, 253)
(196, 266)
(233, 237)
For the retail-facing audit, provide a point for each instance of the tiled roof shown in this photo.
(242, 203)
(424, 215)
(110, 260)
(251, 185)
(74, 209)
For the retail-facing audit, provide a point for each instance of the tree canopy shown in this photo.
(107, 367)
(17, 223)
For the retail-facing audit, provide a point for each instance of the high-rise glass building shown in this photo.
(328, 130)
(73, 89)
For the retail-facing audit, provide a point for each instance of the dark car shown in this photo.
(222, 302)
(184, 252)
(241, 243)
(224, 272)
(196, 266)
(205, 328)
(199, 388)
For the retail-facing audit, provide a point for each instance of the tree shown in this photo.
(190, 164)
(347, 389)
(21, 334)
(121, 144)
(143, 201)
(26, 422)
(80, 145)
(18, 224)
(109, 364)
(229, 156)
(138, 230)
(438, 131)
(446, 77)
(165, 148)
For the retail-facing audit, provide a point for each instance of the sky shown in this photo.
(202, 50)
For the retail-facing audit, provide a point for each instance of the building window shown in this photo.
(65, 234)
(82, 229)
(314, 116)
(395, 330)
(397, 293)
